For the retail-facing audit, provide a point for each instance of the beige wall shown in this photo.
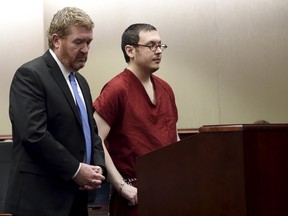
(226, 60)
(21, 38)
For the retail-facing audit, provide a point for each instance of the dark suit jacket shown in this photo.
(48, 140)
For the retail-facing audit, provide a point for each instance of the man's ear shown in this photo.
(130, 51)
(56, 40)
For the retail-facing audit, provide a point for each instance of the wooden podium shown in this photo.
(224, 170)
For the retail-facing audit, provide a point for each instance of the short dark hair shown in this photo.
(131, 36)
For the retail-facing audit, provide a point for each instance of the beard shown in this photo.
(77, 65)
(75, 62)
(79, 61)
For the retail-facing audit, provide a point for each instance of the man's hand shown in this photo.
(129, 192)
(89, 177)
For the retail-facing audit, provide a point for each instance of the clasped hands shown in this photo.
(89, 177)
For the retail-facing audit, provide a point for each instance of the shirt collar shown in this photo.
(64, 71)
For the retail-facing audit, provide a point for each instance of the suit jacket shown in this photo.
(48, 140)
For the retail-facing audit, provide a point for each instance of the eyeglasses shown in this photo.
(154, 47)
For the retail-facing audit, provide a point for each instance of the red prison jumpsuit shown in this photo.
(137, 125)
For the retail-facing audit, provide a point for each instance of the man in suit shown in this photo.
(49, 175)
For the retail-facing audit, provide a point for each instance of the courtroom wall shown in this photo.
(226, 60)
(21, 39)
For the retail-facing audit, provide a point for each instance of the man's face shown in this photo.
(144, 57)
(72, 51)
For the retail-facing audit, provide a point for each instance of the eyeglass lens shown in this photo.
(155, 46)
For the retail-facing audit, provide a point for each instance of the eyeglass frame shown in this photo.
(154, 46)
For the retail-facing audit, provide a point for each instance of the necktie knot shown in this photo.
(72, 77)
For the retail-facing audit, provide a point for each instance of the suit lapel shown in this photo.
(61, 82)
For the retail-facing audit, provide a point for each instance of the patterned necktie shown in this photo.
(84, 118)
